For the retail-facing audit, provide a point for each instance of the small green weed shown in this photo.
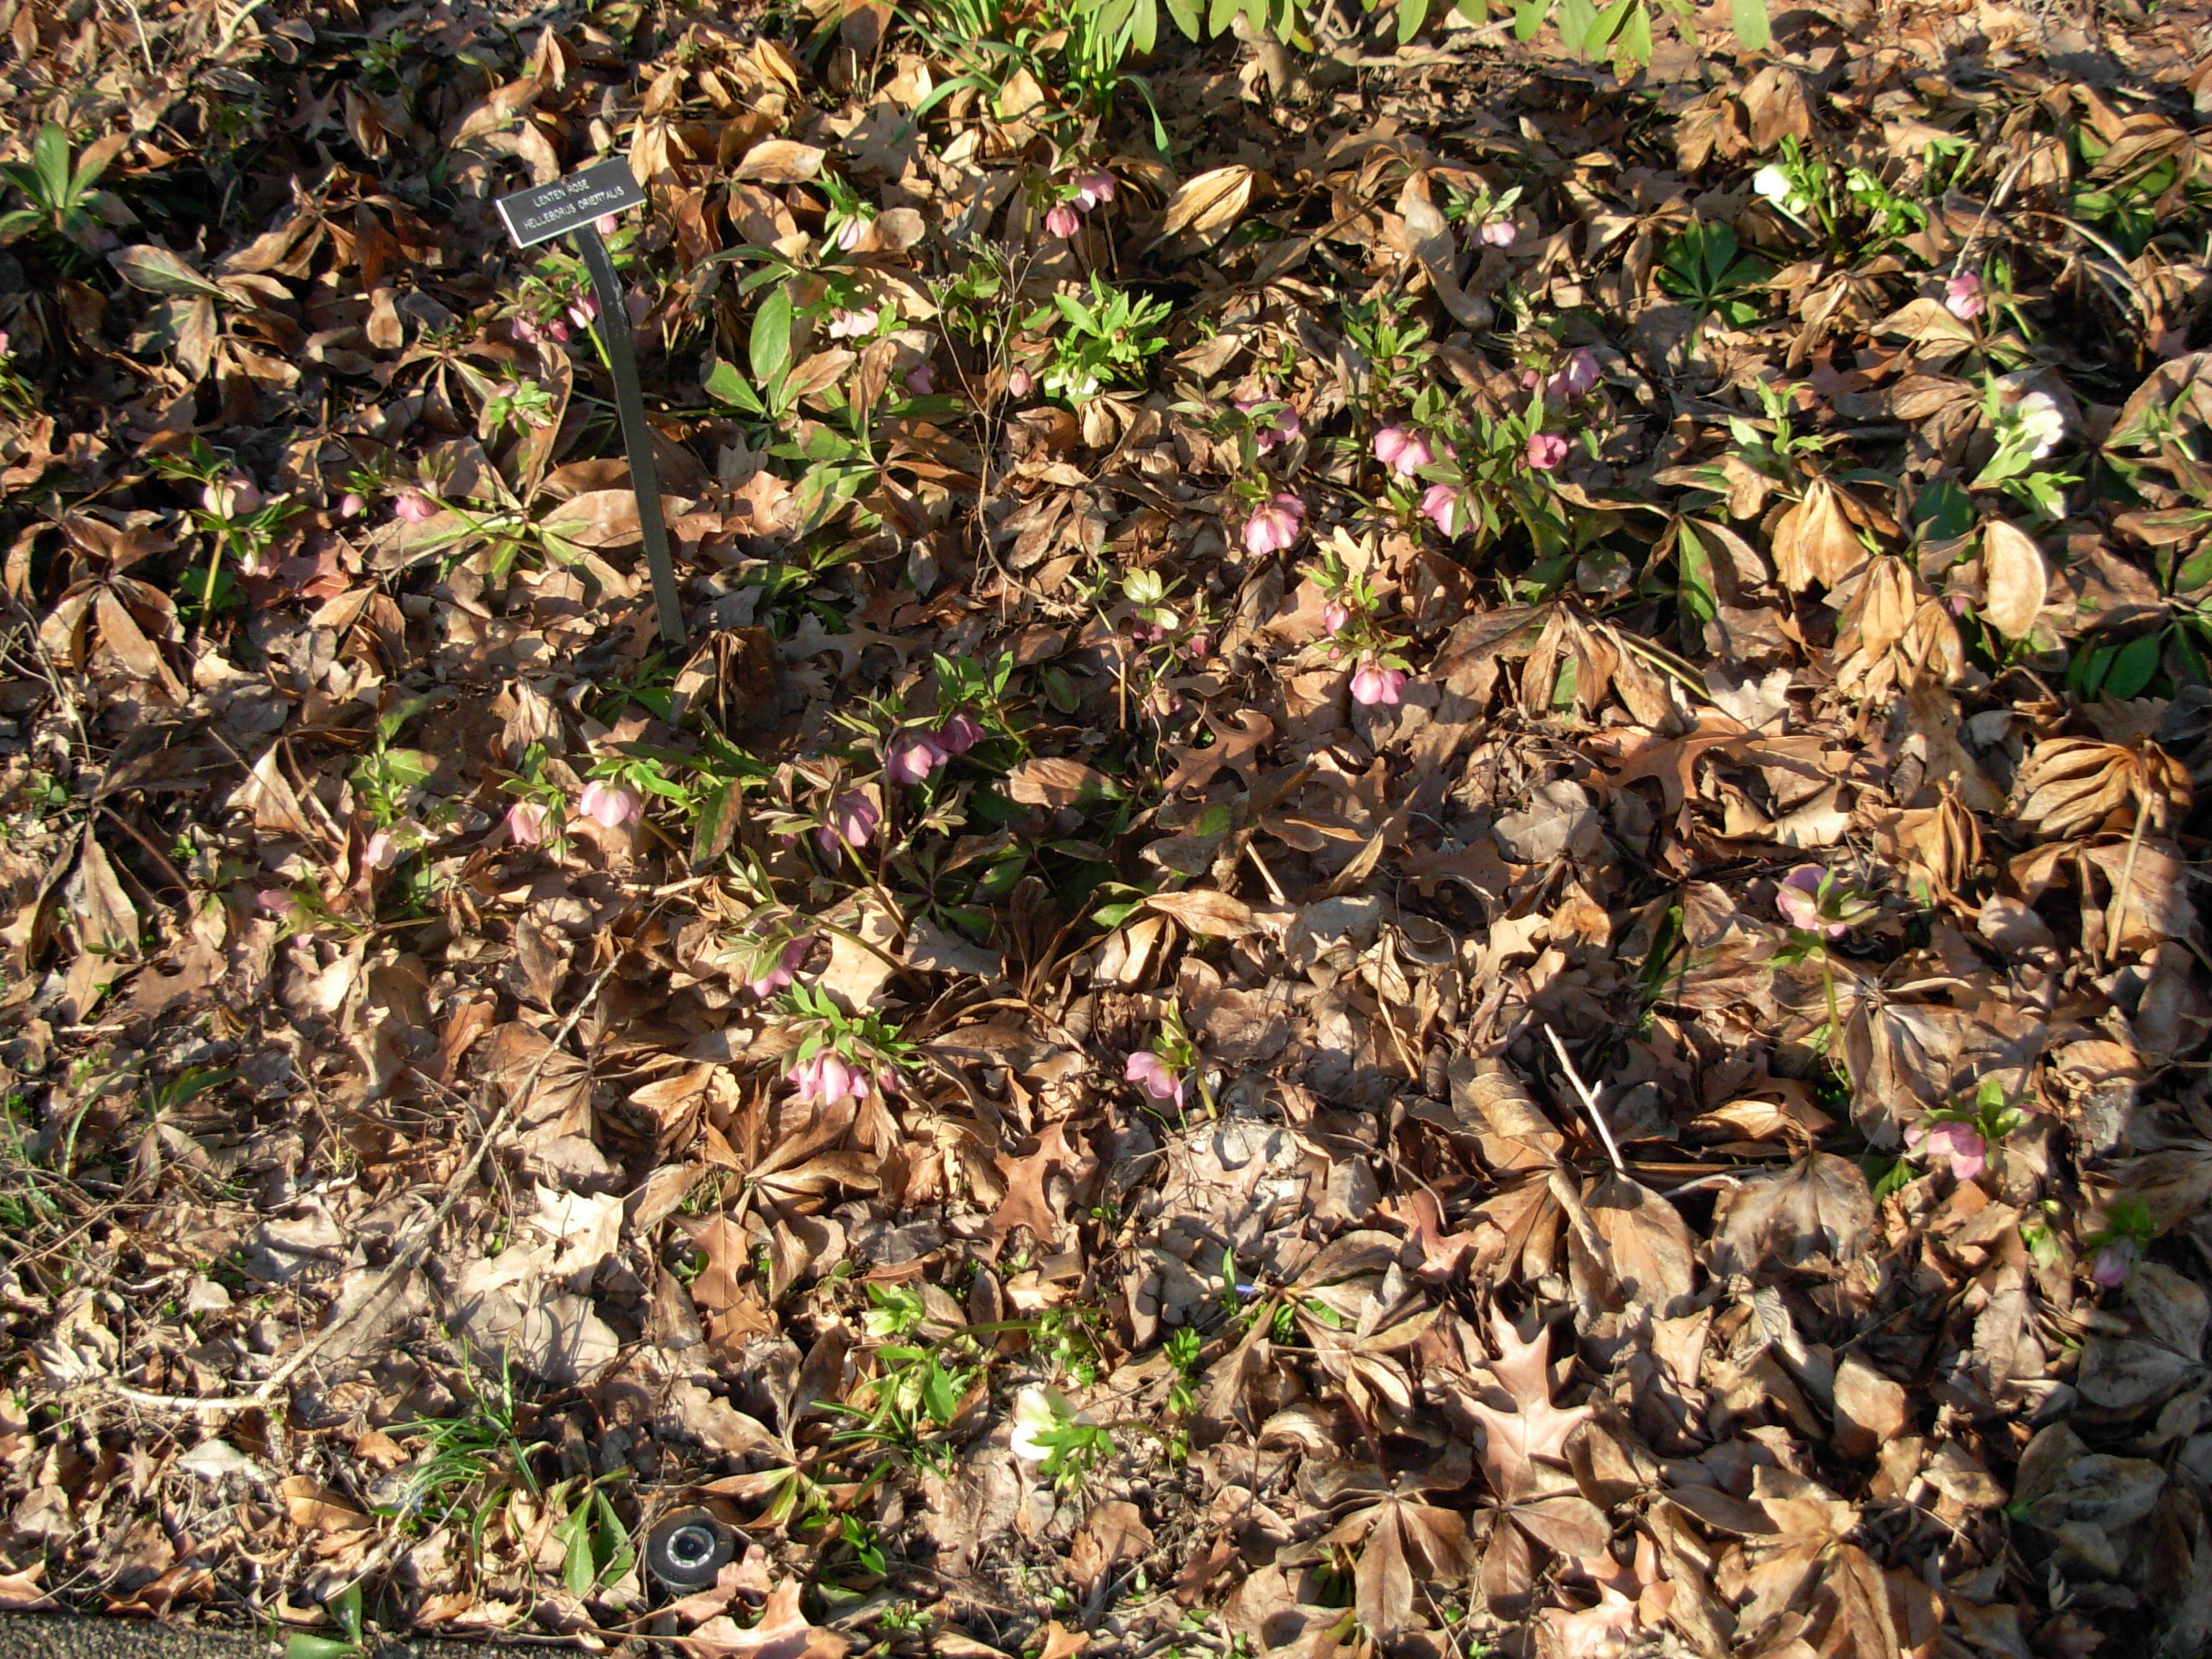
(1704, 268)
(65, 206)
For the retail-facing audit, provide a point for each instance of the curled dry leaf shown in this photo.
(1819, 1205)
(1205, 208)
(780, 161)
(1153, 1029)
(1815, 543)
(2074, 786)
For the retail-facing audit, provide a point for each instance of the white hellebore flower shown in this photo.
(1071, 383)
(2042, 420)
(1774, 184)
(1033, 1416)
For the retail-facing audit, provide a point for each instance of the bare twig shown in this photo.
(168, 866)
(1994, 202)
(1590, 1101)
(2127, 885)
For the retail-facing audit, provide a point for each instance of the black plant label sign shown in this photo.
(544, 211)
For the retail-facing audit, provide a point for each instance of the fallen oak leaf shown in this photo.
(782, 1633)
(1236, 744)
(1027, 1204)
(1672, 760)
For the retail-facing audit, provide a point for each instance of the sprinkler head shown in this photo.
(686, 1550)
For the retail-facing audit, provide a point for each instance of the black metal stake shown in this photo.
(637, 437)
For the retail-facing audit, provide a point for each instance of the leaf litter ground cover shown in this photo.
(1425, 879)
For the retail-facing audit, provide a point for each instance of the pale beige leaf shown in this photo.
(2014, 579)
(1204, 910)
(124, 640)
(105, 918)
(1429, 239)
(780, 161)
(1054, 781)
(1653, 1255)
(1870, 1409)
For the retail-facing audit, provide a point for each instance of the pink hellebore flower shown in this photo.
(1334, 617)
(853, 820)
(231, 498)
(1286, 426)
(1798, 900)
(1274, 526)
(1372, 683)
(528, 824)
(826, 1079)
(1063, 221)
(852, 324)
(1959, 1144)
(612, 804)
(1440, 501)
(1017, 383)
(2114, 1262)
(851, 233)
(1574, 377)
(1093, 187)
(583, 310)
(527, 331)
(1150, 1073)
(911, 756)
(382, 851)
(1547, 450)
(960, 733)
(351, 503)
(413, 506)
(921, 381)
(1962, 296)
(1499, 233)
(1405, 453)
(793, 957)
